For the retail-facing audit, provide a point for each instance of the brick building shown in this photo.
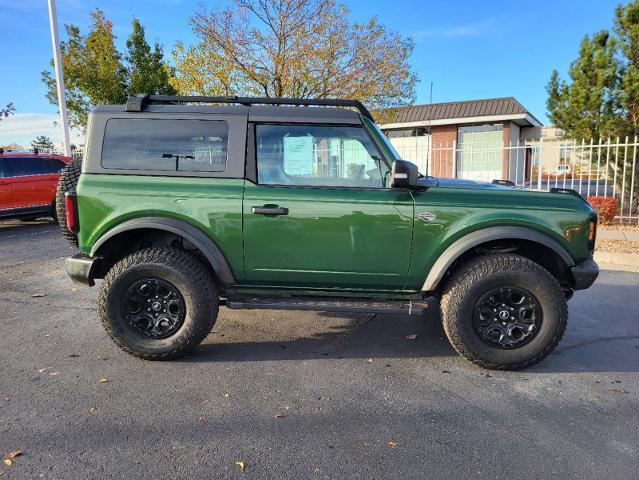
(471, 139)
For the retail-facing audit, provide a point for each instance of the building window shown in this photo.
(404, 133)
(479, 154)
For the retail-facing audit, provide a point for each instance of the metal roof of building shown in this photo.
(459, 110)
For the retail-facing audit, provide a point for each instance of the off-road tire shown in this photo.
(182, 270)
(67, 183)
(473, 279)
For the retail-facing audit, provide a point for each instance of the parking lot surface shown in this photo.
(304, 394)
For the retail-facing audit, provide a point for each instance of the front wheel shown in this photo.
(503, 311)
(158, 303)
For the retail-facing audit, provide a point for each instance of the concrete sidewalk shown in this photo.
(612, 234)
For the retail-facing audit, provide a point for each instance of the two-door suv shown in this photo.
(183, 204)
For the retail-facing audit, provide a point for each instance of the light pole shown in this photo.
(59, 77)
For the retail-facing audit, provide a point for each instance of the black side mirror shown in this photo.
(404, 175)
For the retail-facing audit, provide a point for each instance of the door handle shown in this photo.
(269, 210)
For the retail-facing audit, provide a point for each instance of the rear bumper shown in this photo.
(81, 268)
(585, 274)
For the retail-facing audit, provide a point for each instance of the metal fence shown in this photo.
(606, 168)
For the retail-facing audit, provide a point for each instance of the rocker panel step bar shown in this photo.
(327, 305)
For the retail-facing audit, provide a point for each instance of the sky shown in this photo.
(468, 49)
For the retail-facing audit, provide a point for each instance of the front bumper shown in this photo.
(585, 274)
(81, 268)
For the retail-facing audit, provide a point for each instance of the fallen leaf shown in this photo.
(41, 370)
(38, 295)
(103, 380)
(54, 374)
(93, 409)
(618, 390)
(370, 360)
(240, 464)
(412, 337)
(1, 472)
(15, 453)
(8, 462)
(392, 444)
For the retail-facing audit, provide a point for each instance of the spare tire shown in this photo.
(67, 183)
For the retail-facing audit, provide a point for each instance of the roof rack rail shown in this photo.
(137, 103)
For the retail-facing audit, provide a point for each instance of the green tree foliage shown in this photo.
(6, 111)
(146, 68)
(585, 107)
(627, 30)
(95, 72)
(601, 97)
(295, 48)
(42, 142)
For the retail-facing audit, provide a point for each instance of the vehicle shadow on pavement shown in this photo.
(586, 346)
(343, 336)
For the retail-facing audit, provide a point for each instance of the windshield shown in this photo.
(381, 140)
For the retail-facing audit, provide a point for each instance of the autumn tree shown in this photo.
(294, 48)
(95, 72)
(42, 142)
(147, 71)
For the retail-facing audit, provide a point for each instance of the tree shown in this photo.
(97, 73)
(586, 107)
(295, 48)
(42, 142)
(627, 30)
(6, 111)
(146, 69)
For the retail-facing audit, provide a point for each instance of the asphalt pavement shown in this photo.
(304, 395)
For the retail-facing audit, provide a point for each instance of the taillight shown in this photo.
(592, 231)
(71, 207)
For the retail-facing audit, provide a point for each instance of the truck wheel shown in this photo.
(158, 303)
(67, 183)
(503, 311)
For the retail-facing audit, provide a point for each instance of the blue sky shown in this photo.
(469, 49)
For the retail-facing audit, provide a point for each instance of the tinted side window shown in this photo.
(328, 156)
(23, 166)
(166, 145)
(52, 165)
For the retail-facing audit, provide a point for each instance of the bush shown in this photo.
(606, 208)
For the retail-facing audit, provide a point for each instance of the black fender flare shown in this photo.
(465, 243)
(193, 234)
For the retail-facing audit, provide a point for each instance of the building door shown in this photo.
(480, 152)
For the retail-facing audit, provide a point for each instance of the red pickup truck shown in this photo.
(28, 184)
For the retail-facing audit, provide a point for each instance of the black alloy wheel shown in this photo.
(507, 317)
(154, 308)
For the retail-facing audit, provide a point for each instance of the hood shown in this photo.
(470, 184)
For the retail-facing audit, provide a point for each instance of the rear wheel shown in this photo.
(503, 311)
(67, 183)
(158, 303)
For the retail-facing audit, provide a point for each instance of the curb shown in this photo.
(622, 262)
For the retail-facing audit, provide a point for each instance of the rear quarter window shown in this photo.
(165, 145)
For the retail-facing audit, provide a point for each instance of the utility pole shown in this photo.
(59, 77)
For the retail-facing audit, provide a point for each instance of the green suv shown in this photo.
(183, 204)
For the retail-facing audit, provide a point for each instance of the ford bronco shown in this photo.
(183, 204)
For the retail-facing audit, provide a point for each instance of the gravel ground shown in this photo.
(296, 395)
(617, 246)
